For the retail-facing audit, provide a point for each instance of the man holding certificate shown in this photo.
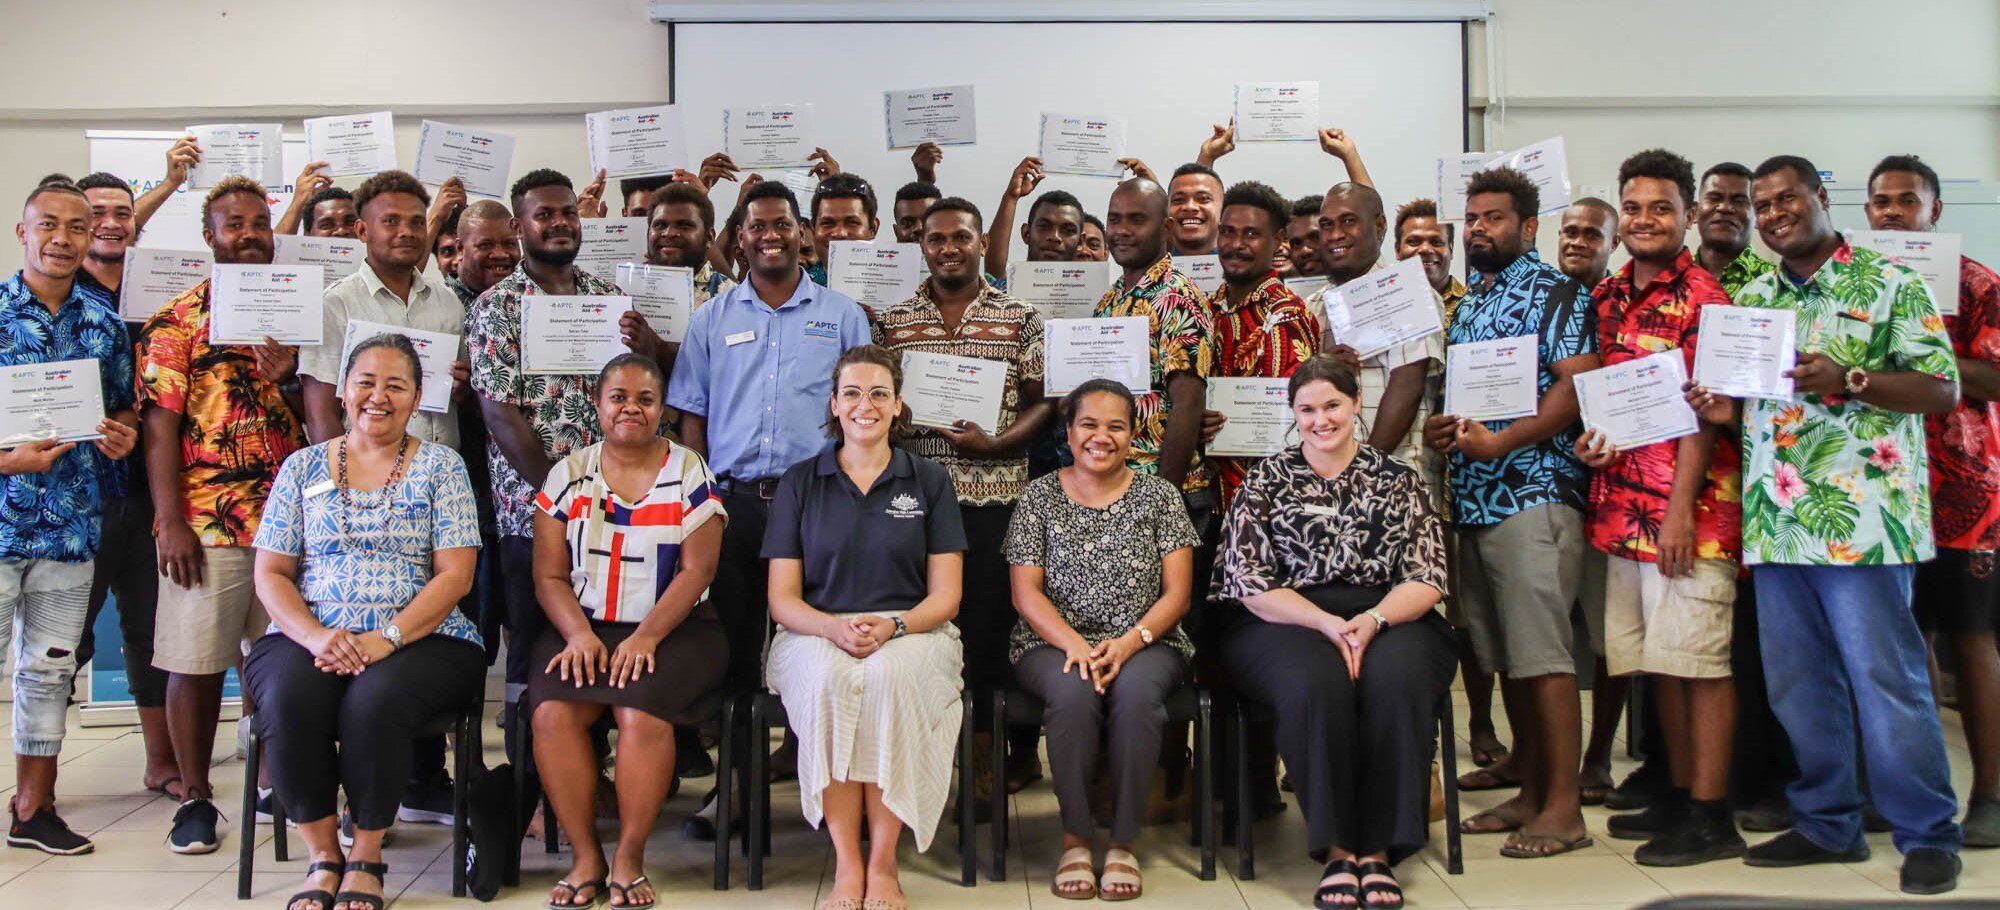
(54, 485)
(680, 226)
(1419, 233)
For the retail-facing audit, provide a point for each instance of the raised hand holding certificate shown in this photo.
(435, 352)
(943, 115)
(876, 275)
(1277, 111)
(607, 243)
(778, 136)
(1079, 350)
(1492, 380)
(571, 333)
(664, 294)
(942, 389)
(1547, 164)
(1061, 290)
(153, 277)
(637, 141)
(1073, 144)
(1932, 255)
(1257, 415)
(1744, 351)
(63, 401)
(1205, 271)
(248, 303)
(337, 257)
(1383, 309)
(1638, 402)
(253, 150)
(478, 158)
(352, 144)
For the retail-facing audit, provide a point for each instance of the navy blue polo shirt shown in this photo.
(864, 552)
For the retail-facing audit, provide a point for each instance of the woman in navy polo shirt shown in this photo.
(866, 552)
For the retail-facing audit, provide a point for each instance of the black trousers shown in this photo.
(126, 567)
(986, 608)
(525, 619)
(326, 733)
(741, 587)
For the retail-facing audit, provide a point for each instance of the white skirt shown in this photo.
(890, 719)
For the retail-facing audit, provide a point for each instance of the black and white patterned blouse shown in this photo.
(1101, 567)
(1370, 525)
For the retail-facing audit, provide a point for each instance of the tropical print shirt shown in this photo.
(1182, 341)
(1833, 481)
(1451, 296)
(1268, 335)
(1746, 267)
(1965, 441)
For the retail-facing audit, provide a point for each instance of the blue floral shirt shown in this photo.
(358, 579)
(55, 514)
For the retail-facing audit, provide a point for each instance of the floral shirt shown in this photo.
(1268, 335)
(236, 428)
(1965, 441)
(1628, 502)
(1833, 481)
(1181, 337)
(1451, 296)
(1747, 266)
(562, 409)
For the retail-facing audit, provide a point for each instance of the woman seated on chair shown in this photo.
(1102, 565)
(627, 535)
(866, 551)
(367, 542)
(1334, 553)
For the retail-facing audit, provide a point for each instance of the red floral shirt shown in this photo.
(1964, 442)
(1267, 336)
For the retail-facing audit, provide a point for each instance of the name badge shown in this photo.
(743, 337)
(1326, 511)
(319, 489)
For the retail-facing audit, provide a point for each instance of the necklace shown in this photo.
(340, 478)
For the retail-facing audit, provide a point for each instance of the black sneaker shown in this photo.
(429, 803)
(1982, 822)
(1769, 815)
(1665, 812)
(1794, 849)
(194, 828)
(1930, 870)
(1698, 839)
(45, 831)
(1639, 788)
(264, 798)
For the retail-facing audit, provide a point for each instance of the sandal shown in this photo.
(1120, 868)
(374, 901)
(1494, 823)
(1075, 868)
(596, 886)
(1389, 888)
(1323, 899)
(624, 891)
(1485, 779)
(1488, 756)
(320, 897)
(166, 788)
(1538, 846)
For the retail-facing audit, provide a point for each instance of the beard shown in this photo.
(1491, 259)
(550, 256)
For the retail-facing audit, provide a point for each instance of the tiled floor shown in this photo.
(132, 869)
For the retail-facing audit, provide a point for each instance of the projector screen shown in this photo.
(1397, 88)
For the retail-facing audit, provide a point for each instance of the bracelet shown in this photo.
(1380, 622)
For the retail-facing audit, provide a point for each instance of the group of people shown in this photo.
(748, 507)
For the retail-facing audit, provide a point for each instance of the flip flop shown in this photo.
(1486, 758)
(1075, 868)
(595, 886)
(1518, 847)
(164, 789)
(625, 891)
(1485, 779)
(1474, 826)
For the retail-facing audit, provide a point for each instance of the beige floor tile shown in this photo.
(1501, 882)
(1291, 884)
(1732, 877)
(269, 887)
(75, 885)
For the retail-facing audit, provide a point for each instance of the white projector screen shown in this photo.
(1397, 88)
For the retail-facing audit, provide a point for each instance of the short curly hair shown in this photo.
(227, 186)
(1660, 164)
(389, 182)
(1526, 196)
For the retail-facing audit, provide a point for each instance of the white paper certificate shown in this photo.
(1383, 309)
(1277, 111)
(63, 401)
(1547, 165)
(153, 277)
(1492, 380)
(1074, 144)
(1258, 415)
(1744, 351)
(1204, 271)
(608, 243)
(778, 136)
(478, 158)
(664, 294)
(571, 333)
(1061, 290)
(1452, 173)
(1307, 285)
(337, 257)
(876, 275)
(1117, 349)
(943, 115)
(248, 303)
(353, 144)
(435, 352)
(253, 150)
(636, 141)
(1638, 402)
(942, 389)
(1934, 256)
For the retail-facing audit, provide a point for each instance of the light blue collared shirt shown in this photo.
(762, 377)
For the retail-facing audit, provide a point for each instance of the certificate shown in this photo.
(943, 115)
(353, 144)
(1492, 380)
(1061, 290)
(1744, 351)
(248, 303)
(337, 257)
(1307, 285)
(1934, 256)
(1383, 309)
(1277, 111)
(778, 136)
(153, 277)
(478, 158)
(1638, 402)
(63, 401)
(1073, 144)
(1118, 349)
(571, 333)
(876, 275)
(607, 243)
(664, 294)
(1258, 416)
(435, 352)
(1204, 271)
(802, 183)
(1452, 173)
(1547, 166)
(253, 150)
(942, 389)
(637, 141)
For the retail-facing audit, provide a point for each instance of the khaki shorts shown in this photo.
(206, 630)
(1669, 626)
(1518, 582)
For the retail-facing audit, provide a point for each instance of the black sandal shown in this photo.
(1323, 898)
(374, 901)
(1390, 887)
(320, 897)
(596, 886)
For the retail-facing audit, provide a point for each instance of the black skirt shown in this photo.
(689, 665)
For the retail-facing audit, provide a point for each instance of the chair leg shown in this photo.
(1203, 816)
(725, 769)
(998, 872)
(968, 820)
(281, 842)
(1246, 808)
(1454, 861)
(246, 849)
(517, 757)
(759, 789)
(464, 736)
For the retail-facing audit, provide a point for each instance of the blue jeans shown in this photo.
(1840, 641)
(48, 600)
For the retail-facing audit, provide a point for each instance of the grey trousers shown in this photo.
(1132, 711)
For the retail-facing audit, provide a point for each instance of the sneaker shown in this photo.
(347, 830)
(1794, 849)
(1697, 839)
(1930, 870)
(429, 803)
(1982, 822)
(1665, 812)
(1769, 815)
(264, 798)
(194, 828)
(46, 831)
(1639, 788)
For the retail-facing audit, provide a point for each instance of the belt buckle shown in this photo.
(767, 489)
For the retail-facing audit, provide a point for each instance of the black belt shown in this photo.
(763, 489)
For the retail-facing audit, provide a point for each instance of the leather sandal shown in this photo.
(1120, 868)
(374, 901)
(1391, 889)
(1324, 898)
(320, 897)
(1075, 868)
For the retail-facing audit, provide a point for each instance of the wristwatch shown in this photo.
(901, 630)
(1145, 634)
(1857, 381)
(394, 635)
(1380, 621)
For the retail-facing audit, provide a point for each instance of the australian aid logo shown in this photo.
(644, 119)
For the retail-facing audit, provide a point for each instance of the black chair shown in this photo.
(462, 723)
(1243, 805)
(1189, 703)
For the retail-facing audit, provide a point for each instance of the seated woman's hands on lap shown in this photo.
(335, 651)
(1110, 656)
(633, 658)
(583, 656)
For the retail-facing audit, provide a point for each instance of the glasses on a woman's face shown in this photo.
(850, 394)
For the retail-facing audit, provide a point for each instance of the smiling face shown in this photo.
(1194, 211)
(630, 404)
(1722, 212)
(1100, 433)
(446, 252)
(1325, 417)
(393, 227)
(865, 403)
(1653, 219)
(1350, 235)
(489, 249)
(841, 219)
(1792, 217)
(333, 218)
(1589, 234)
(1424, 238)
(677, 236)
(54, 233)
(112, 223)
(769, 238)
(1248, 244)
(1090, 246)
(954, 248)
(380, 392)
(1897, 201)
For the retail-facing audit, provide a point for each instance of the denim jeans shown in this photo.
(50, 600)
(1840, 642)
